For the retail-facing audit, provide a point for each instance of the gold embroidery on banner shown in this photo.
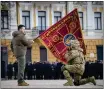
(57, 50)
(55, 38)
(76, 31)
(55, 27)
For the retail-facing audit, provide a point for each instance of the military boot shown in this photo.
(23, 83)
(92, 80)
(69, 83)
(68, 78)
(87, 80)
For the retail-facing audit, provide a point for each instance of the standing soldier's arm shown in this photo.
(26, 42)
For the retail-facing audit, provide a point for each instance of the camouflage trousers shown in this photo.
(78, 71)
(21, 68)
(75, 68)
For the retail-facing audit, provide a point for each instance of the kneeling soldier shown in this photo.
(76, 65)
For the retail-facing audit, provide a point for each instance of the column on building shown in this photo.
(13, 17)
(70, 7)
(90, 17)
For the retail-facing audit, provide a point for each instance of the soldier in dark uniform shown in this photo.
(25, 71)
(49, 70)
(2, 66)
(41, 70)
(15, 65)
(34, 70)
(46, 70)
(10, 70)
(29, 70)
(38, 69)
(2, 69)
(85, 75)
(94, 68)
(58, 70)
(53, 69)
(62, 75)
(101, 69)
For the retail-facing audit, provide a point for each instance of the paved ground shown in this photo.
(43, 84)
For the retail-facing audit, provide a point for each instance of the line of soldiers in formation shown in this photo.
(46, 70)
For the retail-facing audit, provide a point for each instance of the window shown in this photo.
(4, 19)
(41, 20)
(98, 24)
(99, 49)
(43, 54)
(57, 16)
(81, 19)
(26, 19)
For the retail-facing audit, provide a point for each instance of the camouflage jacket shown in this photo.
(75, 56)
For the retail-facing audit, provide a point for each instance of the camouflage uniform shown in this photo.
(76, 65)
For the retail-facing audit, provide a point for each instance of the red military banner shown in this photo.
(53, 37)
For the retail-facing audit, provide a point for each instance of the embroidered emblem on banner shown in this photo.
(67, 39)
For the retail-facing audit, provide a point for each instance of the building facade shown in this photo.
(38, 16)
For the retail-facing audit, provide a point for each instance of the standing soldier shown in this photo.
(76, 65)
(19, 46)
